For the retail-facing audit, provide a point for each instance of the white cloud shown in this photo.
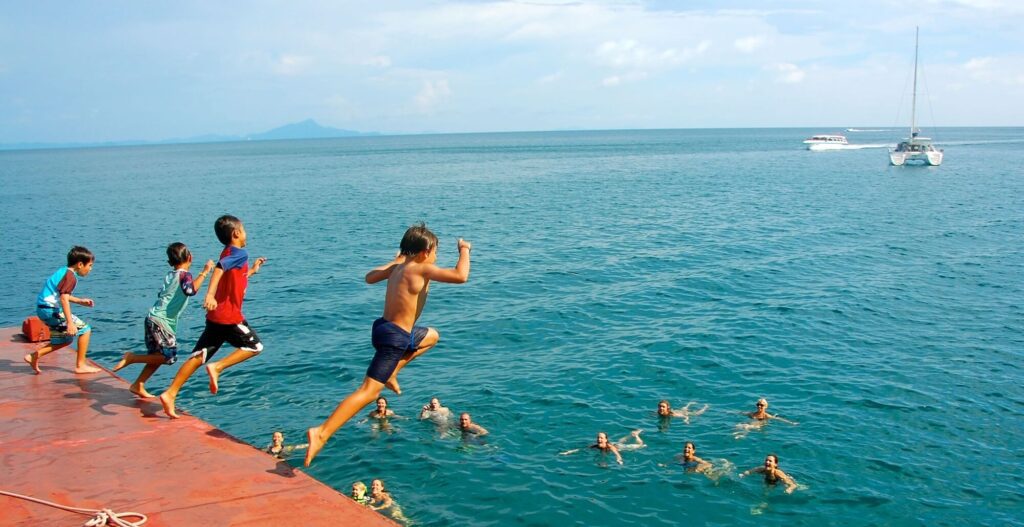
(431, 94)
(548, 79)
(749, 44)
(616, 80)
(291, 65)
(787, 73)
(630, 54)
(379, 61)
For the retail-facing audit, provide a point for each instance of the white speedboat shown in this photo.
(915, 149)
(826, 142)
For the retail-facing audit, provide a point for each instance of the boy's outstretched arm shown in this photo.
(457, 275)
(383, 272)
(210, 302)
(256, 266)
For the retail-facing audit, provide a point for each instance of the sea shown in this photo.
(880, 308)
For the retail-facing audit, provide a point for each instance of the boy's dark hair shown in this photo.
(79, 254)
(177, 254)
(225, 227)
(417, 239)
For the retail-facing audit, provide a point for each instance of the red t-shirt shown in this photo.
(231, 289)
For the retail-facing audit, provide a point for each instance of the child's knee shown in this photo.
(432, 337)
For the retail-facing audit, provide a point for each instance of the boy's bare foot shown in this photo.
(392, 385)
(123, 363)
(214, 375)
(168, 404)
(140, 391)
(33, 360)
(86, 369)
(315, 444)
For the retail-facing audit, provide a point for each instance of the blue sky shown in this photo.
(98, 71)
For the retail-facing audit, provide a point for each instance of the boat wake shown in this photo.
(848, 147)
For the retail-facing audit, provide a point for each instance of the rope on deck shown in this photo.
(100, 517)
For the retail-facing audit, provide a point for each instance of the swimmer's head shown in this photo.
(418, 239)
(465, 420)
(664, 408)
(377, 486)
(435, 404)
(689, 449)
(762, 404)
(277, 439)
(358, 489)
(602, 439)
(771, 461)
(382, 405)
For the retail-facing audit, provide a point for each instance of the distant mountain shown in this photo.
(308, 129)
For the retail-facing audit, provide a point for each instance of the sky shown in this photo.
(131, 70)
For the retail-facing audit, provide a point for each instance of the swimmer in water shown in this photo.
(605, 447)
(772, 473)
(382, 411)
(691, 462)
(381, 501)
(665, 410)
(469, 428)
(434, 410)
(278, 449)
(760, 418)
(359, 493)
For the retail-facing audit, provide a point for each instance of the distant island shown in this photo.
(308, 129)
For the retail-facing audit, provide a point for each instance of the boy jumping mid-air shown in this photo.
(224, 319)
(396, 337)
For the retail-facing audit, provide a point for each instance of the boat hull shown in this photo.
(919, 158)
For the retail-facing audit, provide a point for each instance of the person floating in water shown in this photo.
(760, 417)
(772, 473)
(359, 493)
(665, 410)
(469, 428)
(381, 501)
(161, 323)
(53, 307)
(433, 410)
(278, 449)
(396, 337)
(224, 319)
(602, 445)
(382, 411)
(691, 462)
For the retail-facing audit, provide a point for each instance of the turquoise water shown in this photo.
(879, 307)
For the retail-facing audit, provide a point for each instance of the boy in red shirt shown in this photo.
(224, 319)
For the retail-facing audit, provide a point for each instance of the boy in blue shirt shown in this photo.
(162, 322)
(53, 307)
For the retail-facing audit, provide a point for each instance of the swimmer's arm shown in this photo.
(293, 448)
(784, 420)
(755, 470)
(790, 483)
(479, 430)
(568, 452)
(615, 450)
(383, 272)
(456, 275)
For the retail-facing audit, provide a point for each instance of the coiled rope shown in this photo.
(100, 517)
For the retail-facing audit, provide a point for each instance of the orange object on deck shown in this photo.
(35, 330)
(85, 441)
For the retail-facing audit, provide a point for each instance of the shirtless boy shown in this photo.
(396, 337)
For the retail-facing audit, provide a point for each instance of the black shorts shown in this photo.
(215, 335)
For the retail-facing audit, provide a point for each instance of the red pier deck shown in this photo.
(84, 441)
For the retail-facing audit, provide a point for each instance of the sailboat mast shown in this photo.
(913, 104)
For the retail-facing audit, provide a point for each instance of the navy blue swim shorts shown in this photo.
(391, 343)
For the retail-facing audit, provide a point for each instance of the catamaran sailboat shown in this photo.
(915, 148)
